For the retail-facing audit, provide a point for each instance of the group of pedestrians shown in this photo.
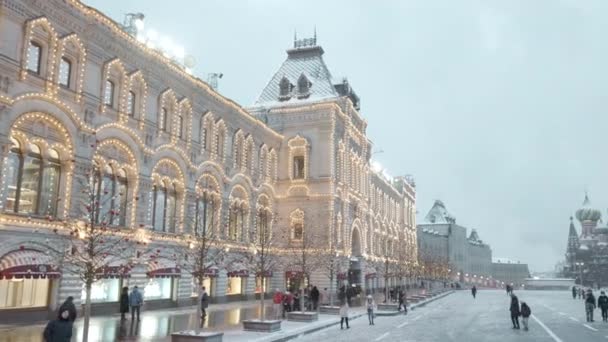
(60, 329)
(284, 302)
(516, 310)
(591, 303)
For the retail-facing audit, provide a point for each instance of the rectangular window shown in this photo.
(163, 119)
(298, 231)
(65, 72)
(234, 285)
(24, 293)
(30, 182)
(103, 291)
(108, 99)
(207, 283)
(258, 284)
(34, 56)
(298, 167)
(181, 127)
(131, 104)
(158, 288)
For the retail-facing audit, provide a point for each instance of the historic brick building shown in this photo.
(78, 93)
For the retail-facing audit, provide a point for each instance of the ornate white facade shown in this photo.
(77, 92)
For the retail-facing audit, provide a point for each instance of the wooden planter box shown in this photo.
(330, 310)
(297, 316)
(261, 326)
(186, 336)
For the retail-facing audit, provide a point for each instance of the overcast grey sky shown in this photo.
(498, 108)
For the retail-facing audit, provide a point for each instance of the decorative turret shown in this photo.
(588, 217)
(439, 214)
(573, 243)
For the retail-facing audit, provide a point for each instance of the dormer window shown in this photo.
(303, 86)
(285, 88)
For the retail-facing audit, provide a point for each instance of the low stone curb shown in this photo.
(337, 322)
(414, 306)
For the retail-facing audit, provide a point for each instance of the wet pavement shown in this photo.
(154, 325)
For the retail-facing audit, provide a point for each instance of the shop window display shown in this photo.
(103, 290)
(24, 293)
(158, 288)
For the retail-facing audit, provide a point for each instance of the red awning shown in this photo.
(211, 272)
(239, 273)
(158, 269)
(267, 274)
(113, 272)
(293, 274)
(370, 276)
(27, 263)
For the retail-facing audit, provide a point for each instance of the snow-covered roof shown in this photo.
(439, 214)
(307, 61)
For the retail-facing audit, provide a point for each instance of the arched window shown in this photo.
(111, 195)
(165, 207)
(131, 103)
(237, 151)
(65, 72)
(163, 119)
(220, 143)
(297, 225)
(206, 205)
(202, 137)
(236, 220)
(34, 57)
(180, 126)
(33, 181)
(109, 93)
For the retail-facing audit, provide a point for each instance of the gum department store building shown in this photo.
(78, 92)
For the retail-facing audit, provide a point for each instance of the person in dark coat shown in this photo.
(402, 302)
(60, 329)
(602, 302)
(525, 314)
(124, 302)
(474, 291)
(70, 307)
(590, 305)
(204, 303)
(574, 292)
(515, 312)
(314, 296)
(296, 301)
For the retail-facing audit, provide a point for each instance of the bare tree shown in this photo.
(263, 258)
(202, 253)
(331, 263)
(304, 254)
(93, 247)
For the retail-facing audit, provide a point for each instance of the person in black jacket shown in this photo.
(124, 302)
(314, 296)
(602, 302)
(590, 305)
(474, 291)
(514, 308)
(70, 307)
(60, 329)
(525, 314)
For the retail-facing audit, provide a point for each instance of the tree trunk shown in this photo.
(331, 285)
(199, 310)
(87, 312)
(262, 307)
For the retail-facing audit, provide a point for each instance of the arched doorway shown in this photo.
(354, 269)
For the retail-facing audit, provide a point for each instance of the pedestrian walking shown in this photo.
(402, 303)
(70, 307)
(135, 300)
(580, 293)
(344, 315)
(59, 329)
(277, 303)
(474, 291)
(124, 302)
(204, 303)
(574, 292)
(371, 309)
(602, 302)
(314, 296)
(525, 314)
(590, 305)
(296, 301)
(515, 312)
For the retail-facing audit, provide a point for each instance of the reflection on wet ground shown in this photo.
(154, 326)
